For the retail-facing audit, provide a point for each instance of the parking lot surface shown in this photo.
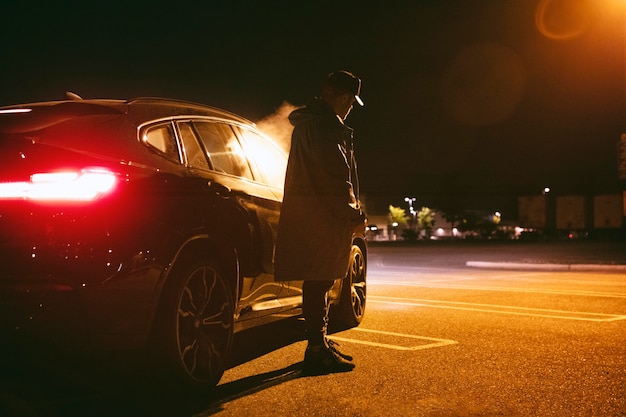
(439, 338)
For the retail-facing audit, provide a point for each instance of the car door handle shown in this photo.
(220, 189)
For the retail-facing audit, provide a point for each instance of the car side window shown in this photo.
(266, 155)
(223, 148)
(196, 157)
(162, 139)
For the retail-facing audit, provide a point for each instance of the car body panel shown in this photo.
(92, 273)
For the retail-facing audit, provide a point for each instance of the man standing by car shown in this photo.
(320, 211)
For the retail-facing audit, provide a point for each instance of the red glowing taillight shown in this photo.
(85, 185)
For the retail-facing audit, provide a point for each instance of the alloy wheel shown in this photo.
(204, 325)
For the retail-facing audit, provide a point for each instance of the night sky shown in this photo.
(468, 102)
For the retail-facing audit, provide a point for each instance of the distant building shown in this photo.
(573, 215)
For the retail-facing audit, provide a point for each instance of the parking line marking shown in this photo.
(437, 342)
(498, 288)
(403, 272)
(501, 309)
(545, 279)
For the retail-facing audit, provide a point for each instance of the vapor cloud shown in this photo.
(277, 125)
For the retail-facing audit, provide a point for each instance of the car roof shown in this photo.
(138, 109)
(162, 107)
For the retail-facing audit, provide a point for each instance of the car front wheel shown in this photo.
(349, 311)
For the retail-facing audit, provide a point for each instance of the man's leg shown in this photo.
(321, 355)
(315, 310)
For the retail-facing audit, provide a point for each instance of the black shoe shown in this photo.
(322, 359)
(331, 345)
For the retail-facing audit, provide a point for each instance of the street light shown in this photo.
(411, 200)
(549, 209)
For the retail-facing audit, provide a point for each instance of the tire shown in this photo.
(195, 325)
(348, 313)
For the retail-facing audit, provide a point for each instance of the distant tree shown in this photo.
(477, 226)
(454, 217)
(397, 217)
(470, 224)
(426, 221)
(410, 234)
(487, 228)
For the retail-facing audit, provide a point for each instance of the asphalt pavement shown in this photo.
(540, 350)
(572, 255)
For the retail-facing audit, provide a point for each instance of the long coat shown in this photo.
(319, 211)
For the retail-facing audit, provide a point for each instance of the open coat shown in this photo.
(319, 211)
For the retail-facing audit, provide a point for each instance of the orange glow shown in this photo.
(568, 19)
(269, 159)
(561, 19)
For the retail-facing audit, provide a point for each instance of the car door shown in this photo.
(215, 153)
(270, 161)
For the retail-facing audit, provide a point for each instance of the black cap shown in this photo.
(344, 81)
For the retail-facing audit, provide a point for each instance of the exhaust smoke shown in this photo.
(277, 125)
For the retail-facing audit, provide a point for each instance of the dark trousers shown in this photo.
(315, 310)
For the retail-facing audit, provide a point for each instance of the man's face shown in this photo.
(346, 101)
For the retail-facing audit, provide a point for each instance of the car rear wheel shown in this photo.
(195, 328)
(349, 311)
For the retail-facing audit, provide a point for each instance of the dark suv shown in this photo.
(147, 223)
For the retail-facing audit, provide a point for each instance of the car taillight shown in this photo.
(85, 185)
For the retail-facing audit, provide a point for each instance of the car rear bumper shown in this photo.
(42, 312)
(116, 314)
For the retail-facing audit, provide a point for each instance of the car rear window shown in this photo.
(162, 139)
(223, 148)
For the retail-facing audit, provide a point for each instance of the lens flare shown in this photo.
(562, 19)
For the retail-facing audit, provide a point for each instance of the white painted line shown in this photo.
(616, 280)
(499, 309)
(560, 280)
(418, 273)
(547, 267)
(597, 267)
(437, 342)
(517, 266)
(500, 288)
